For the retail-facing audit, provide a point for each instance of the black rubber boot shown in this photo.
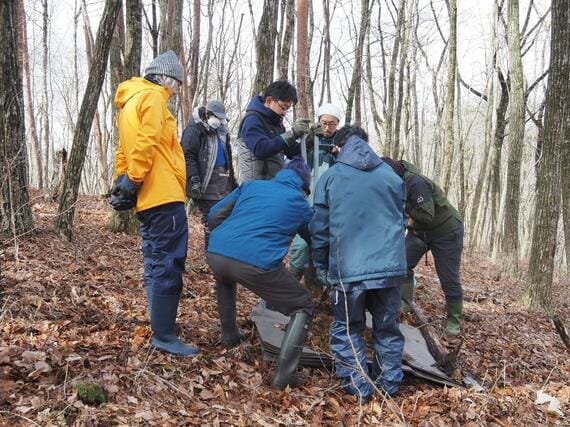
(163, 321)
(290, 353)
(407, 294)
(226, 297)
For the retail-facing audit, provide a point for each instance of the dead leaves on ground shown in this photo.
(75, 313)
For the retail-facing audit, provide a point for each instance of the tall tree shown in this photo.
(64, 219)
(15, 211)
(265, 46)
(46, 117)
(130, 50)
(29, 104)
(194, 53)
(133, 38)
(356, 80)
(302, 32)
(286, 42)
(450, 97)
(510, 244)
(557, 122)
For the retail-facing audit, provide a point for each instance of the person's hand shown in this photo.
(195, 187)
(124, 193)
(315, 129)
(322, 277)
(301, 127)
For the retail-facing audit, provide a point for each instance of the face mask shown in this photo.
(214, 122)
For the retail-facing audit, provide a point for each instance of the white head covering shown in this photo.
(331, 110)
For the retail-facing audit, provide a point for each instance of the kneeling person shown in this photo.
(251, 230)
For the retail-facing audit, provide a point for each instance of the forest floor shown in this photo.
(75, 313)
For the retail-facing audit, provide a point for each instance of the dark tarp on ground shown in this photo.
(417, 360)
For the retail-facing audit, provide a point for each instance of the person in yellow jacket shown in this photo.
(151, 177)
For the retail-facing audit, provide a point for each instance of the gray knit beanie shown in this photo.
(166, 64)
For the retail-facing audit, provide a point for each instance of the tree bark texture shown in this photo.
(15, 211)
(287, 40)
(45, 95)
(29, 103)
(538, 293)
(356, 79)
(450, 98)
(264, 46)
(133, 38)
(510, 247)
(64, 220)
(389, 115)
(302, 32)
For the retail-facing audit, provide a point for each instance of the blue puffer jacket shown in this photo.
(258, 220)
(358, 226)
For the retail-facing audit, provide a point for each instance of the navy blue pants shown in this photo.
(349, 348)
(164, 232)
(446, 251)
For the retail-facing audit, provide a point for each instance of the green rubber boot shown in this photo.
(407, 294)
(454, 310)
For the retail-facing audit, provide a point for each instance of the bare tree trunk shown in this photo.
(450, 98)
(15, 211)
(29, 101)
(45, 99)
(265, 46)
(356, 79)
(101, 151)
(538, 293)
(389, 115)
(376, 120)
(510, 246)
(401, 68)
(195, 52)
(326, 85)
(64, 219)
(205, 75)
(133, 38)
(287, 40)
(565, 183)
(302, 31)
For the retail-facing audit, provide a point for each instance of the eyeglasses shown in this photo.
(283, 108)
(329, 124)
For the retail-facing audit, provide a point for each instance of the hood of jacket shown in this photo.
(289, 178)
(409, 167)
(256, 104)
(358, 154)
(195, 119)
(127, 89)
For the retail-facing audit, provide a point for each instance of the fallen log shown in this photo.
(561, 329)
(445, 360)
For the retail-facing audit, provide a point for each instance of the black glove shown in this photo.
(195, 187)
(124, 193)
(300, 128)
(315, 129)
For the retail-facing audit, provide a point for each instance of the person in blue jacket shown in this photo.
(251, 230)
(357, 241)
(263, 143)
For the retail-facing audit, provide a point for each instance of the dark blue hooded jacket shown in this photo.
(256, 222)
(255, 133)
(358, 226)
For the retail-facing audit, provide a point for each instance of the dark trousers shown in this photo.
(164, 232)
(446, 251)
(347, 341)
(204, 206)
(278, 287)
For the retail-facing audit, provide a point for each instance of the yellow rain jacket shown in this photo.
(149, 151)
